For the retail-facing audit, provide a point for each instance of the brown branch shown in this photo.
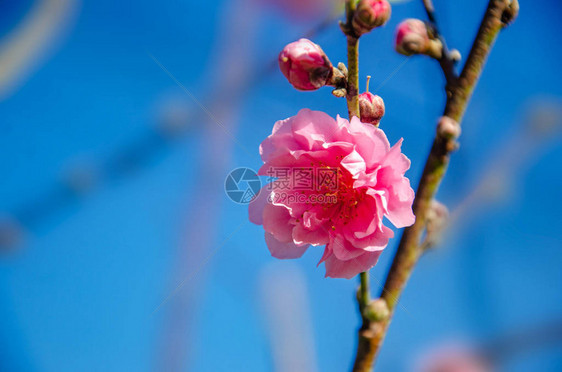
(371, 336)
(353, 76)
(352, 88)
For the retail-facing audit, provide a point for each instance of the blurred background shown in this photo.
(119, 122)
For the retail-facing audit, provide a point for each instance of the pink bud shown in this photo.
(371, 108)
(370, 14)
(448, 128)
(305, 65)
(412, 37)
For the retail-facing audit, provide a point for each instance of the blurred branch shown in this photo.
(428, 4)
(409, 249)
(137, 154)
(495, 352)
(542, 124)
(525, 338)
(286, 306)
(32, 41)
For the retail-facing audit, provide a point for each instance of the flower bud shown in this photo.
(448, 128)
(305, 65)
(371, 108)
(436, 221)
(510, 13)
(412, 37)
(455, 55)
(370, 14)
(377, 310)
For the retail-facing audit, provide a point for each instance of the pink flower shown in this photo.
(344, 212)
(371, 108)
(412, 37)
(370, 14)
(305, 65)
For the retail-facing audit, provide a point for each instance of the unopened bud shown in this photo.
(370, 14)
(412, 37)
(339, 92)
(377, 310)
(305, 65)
(455, 55)
(448, 128)
(437, 217)
(510, 13)
(371, 108)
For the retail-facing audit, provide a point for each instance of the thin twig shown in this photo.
(430, 10)
(352, 61)
(446, 62)
(363, 294)
(353, 76)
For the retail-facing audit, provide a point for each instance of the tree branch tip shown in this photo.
(510, 12)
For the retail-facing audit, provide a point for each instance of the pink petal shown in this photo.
(354, 163)
(343, 250)
(280, 139)
(277, 221)
(336, 268)
(284, 250)
(396, 159)
(311, 229)
(313, 128)
(400, 209)
(256, 206)
(370, 142)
